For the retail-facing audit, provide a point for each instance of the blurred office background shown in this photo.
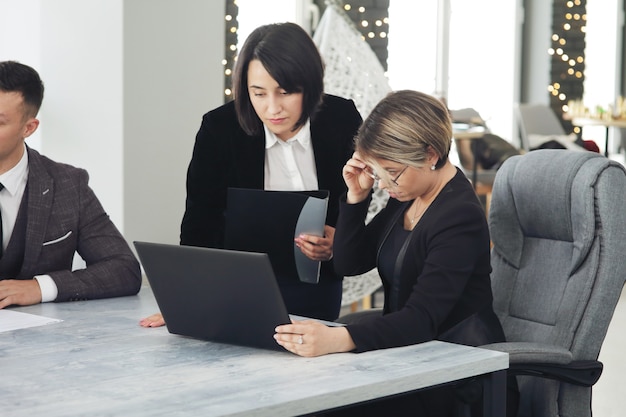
(127, 81)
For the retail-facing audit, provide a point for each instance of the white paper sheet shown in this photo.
(13, 320)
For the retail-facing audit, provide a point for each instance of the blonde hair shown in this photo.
(406, 127)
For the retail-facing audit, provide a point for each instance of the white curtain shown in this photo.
(352, 68)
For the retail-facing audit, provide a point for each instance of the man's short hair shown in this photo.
(20, 78)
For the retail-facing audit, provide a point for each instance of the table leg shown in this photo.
(494, 394)
(606, 142)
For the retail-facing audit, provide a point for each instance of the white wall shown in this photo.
(20, 34)
(82, 113)
(173, 75)
(127, 82)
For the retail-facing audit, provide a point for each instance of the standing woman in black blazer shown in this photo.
(281, 132)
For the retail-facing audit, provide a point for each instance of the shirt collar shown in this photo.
(13, 178)
(303, 137)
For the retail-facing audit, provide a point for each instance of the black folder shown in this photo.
(268, 221)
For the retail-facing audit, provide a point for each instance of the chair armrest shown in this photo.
(584, 372)
(525, 352)
(548, 361)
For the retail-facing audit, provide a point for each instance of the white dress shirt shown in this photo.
(14, 181)
(290, 165)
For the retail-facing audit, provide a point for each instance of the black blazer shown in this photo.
(444, 287)
(225, 156)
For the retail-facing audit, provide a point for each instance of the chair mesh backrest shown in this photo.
(558, 228)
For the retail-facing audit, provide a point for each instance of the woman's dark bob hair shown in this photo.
(290, 56)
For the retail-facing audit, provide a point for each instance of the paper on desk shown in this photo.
(13, 320)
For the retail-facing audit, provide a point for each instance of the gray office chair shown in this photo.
(558, 228)
(540, 120)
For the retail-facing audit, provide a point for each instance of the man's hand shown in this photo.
(21, 292)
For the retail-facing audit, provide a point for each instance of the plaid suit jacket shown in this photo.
(64, 216)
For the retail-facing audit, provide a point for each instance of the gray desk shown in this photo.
(100, 362)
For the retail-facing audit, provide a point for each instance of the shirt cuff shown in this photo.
(48, 287)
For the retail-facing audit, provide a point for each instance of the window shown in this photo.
(481, 58)
(482, 52)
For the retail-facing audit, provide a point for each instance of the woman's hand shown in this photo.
(315, 247)
(358, 179)
(311, 338)
(155, 320)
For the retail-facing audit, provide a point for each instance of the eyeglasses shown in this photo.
(375, 176)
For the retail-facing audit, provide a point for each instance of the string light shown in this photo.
(373, 23)
(567, 55)
(230, 46)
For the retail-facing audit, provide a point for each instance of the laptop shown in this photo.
(218, 295)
